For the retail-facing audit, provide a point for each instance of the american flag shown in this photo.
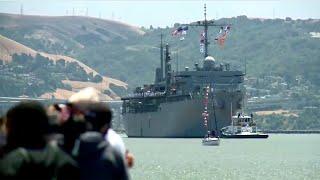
(181, 30)
(222, 35)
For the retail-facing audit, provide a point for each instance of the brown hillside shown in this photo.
(46, 28)
(70, 24)
(9, 47)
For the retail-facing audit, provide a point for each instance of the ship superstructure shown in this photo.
(173, 105)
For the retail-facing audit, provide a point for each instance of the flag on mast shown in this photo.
(222, 35)
(181, 30)
(205, 113)
(202, 39)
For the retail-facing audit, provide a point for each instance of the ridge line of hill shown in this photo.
(9, 47)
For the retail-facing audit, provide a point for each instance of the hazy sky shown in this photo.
(165, 13)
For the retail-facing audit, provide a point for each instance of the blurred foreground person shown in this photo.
(97, 159)
(116, 141)
(91, 95)
(73, 124)
(66, 125)
(2, 132)
(27, 155)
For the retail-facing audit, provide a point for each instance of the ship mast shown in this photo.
(161, 58)
(206, 43)
(167, 68)
(205, 24)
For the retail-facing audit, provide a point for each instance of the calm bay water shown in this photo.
(281, 156)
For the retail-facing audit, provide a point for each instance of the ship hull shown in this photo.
(180, 119)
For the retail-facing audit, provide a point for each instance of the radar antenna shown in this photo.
(205, 23)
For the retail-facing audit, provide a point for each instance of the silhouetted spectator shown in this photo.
(96, 157)
(91, 95)
(116, 141)
(2, 133)
(27, 155)
(72, 127)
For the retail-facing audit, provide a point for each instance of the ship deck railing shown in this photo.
(146, 94)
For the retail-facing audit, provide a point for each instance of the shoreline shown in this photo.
(292, 131)
(265, 131)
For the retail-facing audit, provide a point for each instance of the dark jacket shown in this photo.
(97, 159)
(47, 163)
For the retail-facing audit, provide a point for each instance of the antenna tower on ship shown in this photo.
(21, 9)
(206, 24)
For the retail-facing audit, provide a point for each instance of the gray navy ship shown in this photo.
(173, 106)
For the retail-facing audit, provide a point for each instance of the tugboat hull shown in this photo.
(245, 136)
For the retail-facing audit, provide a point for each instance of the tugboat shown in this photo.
(242, 126)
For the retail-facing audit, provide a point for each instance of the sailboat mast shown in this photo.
(214, 112)
(209, 117)
(231, 116)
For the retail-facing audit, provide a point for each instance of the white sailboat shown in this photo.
(210, 138)
(211, 141)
